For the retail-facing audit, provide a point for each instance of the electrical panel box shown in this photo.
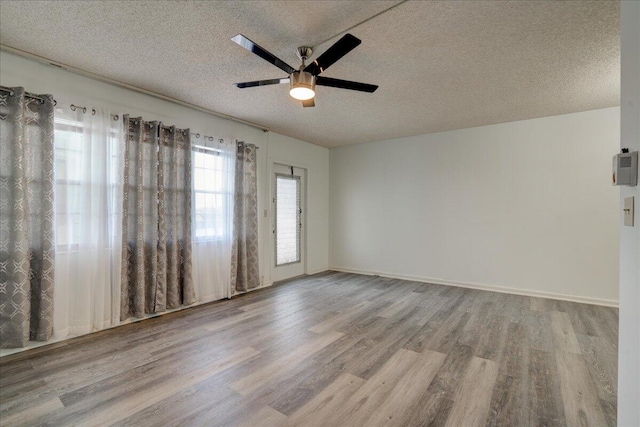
(625, 169)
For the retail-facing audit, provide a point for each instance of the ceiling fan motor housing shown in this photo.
(303, 79)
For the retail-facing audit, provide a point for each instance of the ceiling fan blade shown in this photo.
(261, 83)
(262, 53)
(309, 103)
(345, 84)
(343, 46)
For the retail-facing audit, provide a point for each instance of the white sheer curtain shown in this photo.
(88, 166)
(213, 184)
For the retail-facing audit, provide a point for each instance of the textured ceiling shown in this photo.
(440, 65)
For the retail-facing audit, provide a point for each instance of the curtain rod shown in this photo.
(205, 148)
(115, 117)
(98, 77)
(211, 138)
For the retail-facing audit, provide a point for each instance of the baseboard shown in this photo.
(311, 273)
(492, 288)
(262, 286)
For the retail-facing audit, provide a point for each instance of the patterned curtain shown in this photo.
(27, 246)
(245, 271)
(156, 231)
(139, 219)
(175, 285)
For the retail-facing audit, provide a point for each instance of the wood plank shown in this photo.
(333, 323)
(390, 337)
(185, 404)
(511, 395)
(564, 338)
(581, 403)
(232, 320)
(267, 373)
(112, 412)
(403, 303)
(396, 410)
(442, 331)
(357, 409)
(32, 415)
(221, 410)
(540, 335)
(602, 361)
(322, 407)
(265, 417)
(546, 406)
(306, 380)
(471, 402)
(449, 376)
(508, 405)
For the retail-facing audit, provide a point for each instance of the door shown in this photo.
(288, 190)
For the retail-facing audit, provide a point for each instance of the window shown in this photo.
(211, 194)
(85, 181)
(68, 156)
(287, 219)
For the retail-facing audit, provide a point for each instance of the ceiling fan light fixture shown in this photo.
(303, 85)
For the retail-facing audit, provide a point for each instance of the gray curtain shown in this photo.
(245, 270)
(156, 230)
(175, 285)
(27, 246)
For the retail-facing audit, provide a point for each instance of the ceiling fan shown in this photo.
(303, 81)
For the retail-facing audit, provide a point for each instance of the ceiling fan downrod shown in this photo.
(304, 53)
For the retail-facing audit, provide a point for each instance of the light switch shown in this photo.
(266, 213)
(628, 211)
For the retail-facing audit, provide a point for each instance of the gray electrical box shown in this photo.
(625, 169)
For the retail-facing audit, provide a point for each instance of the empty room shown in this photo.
(320, 213)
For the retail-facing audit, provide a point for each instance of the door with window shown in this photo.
(288, 231)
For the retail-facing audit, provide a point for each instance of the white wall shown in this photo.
(524, 205)
(629, 333)
(72, 88)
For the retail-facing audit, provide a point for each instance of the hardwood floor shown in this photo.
(334, 349)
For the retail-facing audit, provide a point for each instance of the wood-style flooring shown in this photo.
(334, 349)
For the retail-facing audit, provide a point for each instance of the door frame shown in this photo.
(273, 162)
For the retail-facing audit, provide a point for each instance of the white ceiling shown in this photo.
(440, 65)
